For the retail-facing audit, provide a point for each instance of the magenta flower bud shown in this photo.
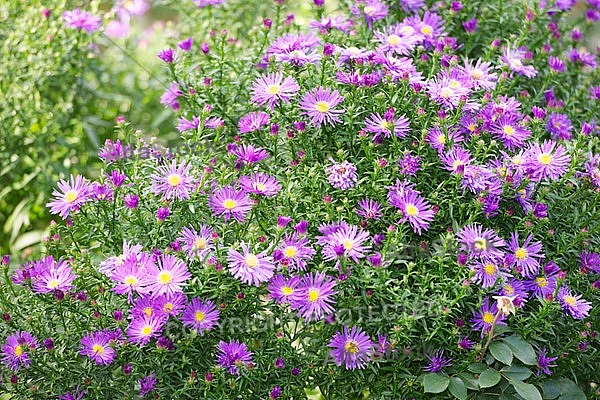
(14, 379)
(456, 6)
(166, 55)
(186, 44)
(301, 227)
(46, 13)
(163, 213)
(59, 295)
(6, 317)
(318, 3)
(282, 221)
(462, 259)
(131, 201)
(5, 259)
(118, 315)
(48, 344)
(208, 377)
(328, 49)
(126, 369)
(267, 23)
(576, 34)
(205, 48)
(470, 25)
(295, 371)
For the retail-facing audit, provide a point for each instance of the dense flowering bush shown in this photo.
(393, 200)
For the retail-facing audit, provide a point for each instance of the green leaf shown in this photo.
(569, 390)
(501, 352)
(477, 368)
(516, 372)
(526, 390)
(521, 349)
(457, 388)
(488, 378)
(469, 380)
(551, 390)
(435, 383)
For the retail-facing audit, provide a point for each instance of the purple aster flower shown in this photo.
(275, 392)
(82, 20)
(456, 160)
(399, 38)
(510, 130)
(556, 64)
(147, 382)
(197, 244)
(559, 126)
(186, 125)
(284, 290)
(53, 276)
(252, 122)
(15, 352)
(480, 75)
(76, 395)
(166, 55)
(573, 304)
(173, 182)
(589, 261)
(260, 183)
(130, 277)
(387, 125)
(347, 241)
(478, 242)
(294, 252)
(470, 25)
(167, 276)
(369, 209)
(487, 272)
(271, 89)
(233, 355)
(170, 96)
(440, 140)
(70, 196)
(96, 346)
(592, 168)
(486, 317)
(145, 306)
(415, 209)
(186, 44)
(168, 305)
(514, 288)
(430, 26)
(370, 10)
(327, 23)
(465, 344)
(110, 265)
(202, 316)
(102, 192)
(250, 268)
(352, 347)
(595, 92)
(542, 286)
(143, 328)
(131, 201)
(449, 89)
(437, 362)
(543, 363)
(248, 154)
(409, 164)
(546, 161)
(319, 105)
(525, 258)
(229, 202)
(514, 60)
(341, 175)
(315, 296)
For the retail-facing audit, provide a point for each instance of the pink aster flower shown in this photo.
(319, 105)
(315, 296)
(400, 39)
(480, 75)
(229, 202)
(170, 96)
(347, 241)
(167, 276)
(546, 161)
(15, 352)
(248, 154)
(370, 10)
(173, 182)
(449, 90)
(97, 347)
(169, 305)
(197, 244)
(415, 209)
(271, 89)
(142, 329)
(250, 268)
(294, 252)
(71, 196)
(253, 121)
(353, 348)
(341, 175)
(514, 60)
(82, 20)
(130, 277)
(260, 183)
(54, 276)
(202, 316)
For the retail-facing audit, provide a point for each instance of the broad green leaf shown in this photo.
(526, 390)
(477, 368)
(470, 381)
(551, 390)
(435, 383)
(516, 372)
(501, 352)
(457, 388)
(569, 390)
(521, 349)
(488, 378)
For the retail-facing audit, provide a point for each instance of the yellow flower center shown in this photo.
(200, 244)
(18, 350)
(384, 125)
(274, 89)
(545, 158)
(174, 180)
(97, 349)
(570, 300)
(509, 289)
(351, 346)
(441, 139)
(164, 277)
(168, 307)
(353, 50)
(230, 204)
(454, 84)
(131, 280)
(471, 127)
(488, 317)
(290, 251)
(348, 245)
(199, 316)
(287, 290)
(521, 254)
(427, 30)
(456, 164)
(541, 282)
(477, 74)
(260, 186)
(313, 295)
(251, 260)
(148, 311)
(369, 10)
(70, 196)
(322, 107)
(489, 269)
(516, 63)
(393, 40)
(446, 92)
(411, 210)
(508, 130)
(480, 244)
(147, 330)
(407, 30)
(53, 283)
